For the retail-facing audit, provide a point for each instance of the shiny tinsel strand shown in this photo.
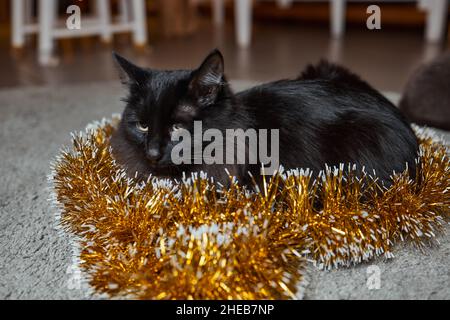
(193, 240)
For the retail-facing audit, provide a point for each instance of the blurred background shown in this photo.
(261, 40)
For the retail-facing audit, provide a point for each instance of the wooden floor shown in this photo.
(386, 58)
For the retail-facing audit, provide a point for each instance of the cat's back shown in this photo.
(329, 115)
(323, 78)
(323, 89)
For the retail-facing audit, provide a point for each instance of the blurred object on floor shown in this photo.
(49, 27)
(426, 99)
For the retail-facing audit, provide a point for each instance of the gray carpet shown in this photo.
(35, 259)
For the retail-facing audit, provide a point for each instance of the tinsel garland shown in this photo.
(159, 240)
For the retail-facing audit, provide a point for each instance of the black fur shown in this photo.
(325, 116)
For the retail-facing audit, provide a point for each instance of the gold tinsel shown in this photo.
(157, 240)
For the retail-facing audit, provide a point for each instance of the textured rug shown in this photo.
(36, 262)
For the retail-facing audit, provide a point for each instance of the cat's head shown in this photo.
(161, 102)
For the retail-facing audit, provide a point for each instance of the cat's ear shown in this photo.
(131, 73)
(208, 78)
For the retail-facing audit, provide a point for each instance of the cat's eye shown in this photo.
(176, 127)
(141, 127)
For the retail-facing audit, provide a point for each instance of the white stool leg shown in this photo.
(243, 18)
(140, 24)
(422, 4)
(105, 19)
(337, 17)
(47, 10)
(124, 12)
(218, 7)
(436, 16)
(18, 22)
(28, 11)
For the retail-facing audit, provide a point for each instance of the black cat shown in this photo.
(325, 116)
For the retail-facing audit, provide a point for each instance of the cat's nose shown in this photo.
(153, 154)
